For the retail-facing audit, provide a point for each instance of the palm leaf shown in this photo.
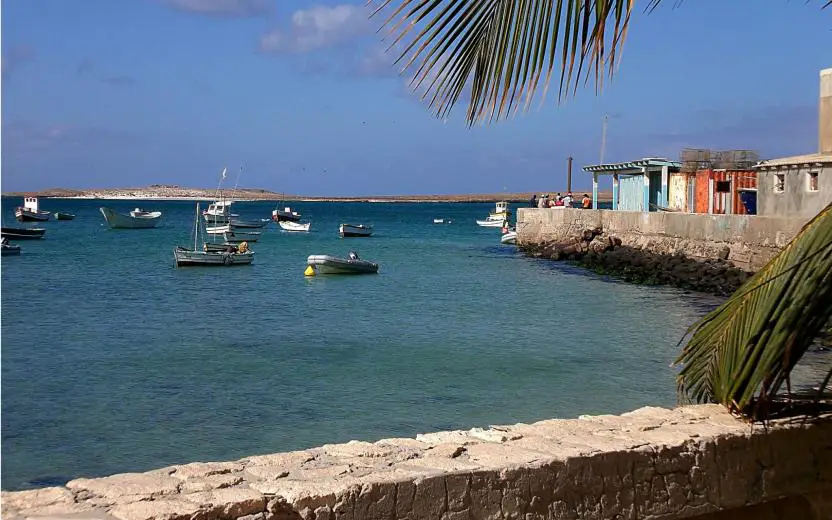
(740, 354)
(499, 50)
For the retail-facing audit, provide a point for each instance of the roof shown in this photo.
(633, 167)
(796, 160)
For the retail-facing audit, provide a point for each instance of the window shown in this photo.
(812, 179)
(779, 182)
(723, 187)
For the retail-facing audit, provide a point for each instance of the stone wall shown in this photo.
(745, 241)
(653, 463)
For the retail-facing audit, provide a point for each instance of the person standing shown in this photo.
(533, 201)
(586, 202)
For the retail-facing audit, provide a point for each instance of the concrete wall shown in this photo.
(825, 111)
(795, 199)
(751, 240)
(653, 463)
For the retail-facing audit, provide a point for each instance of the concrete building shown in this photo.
(801, 186)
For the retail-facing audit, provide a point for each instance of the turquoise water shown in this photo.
(113, 360)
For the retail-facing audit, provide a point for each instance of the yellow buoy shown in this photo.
(310, 271)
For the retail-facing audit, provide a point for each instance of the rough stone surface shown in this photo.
(652, 463)
(709, 253)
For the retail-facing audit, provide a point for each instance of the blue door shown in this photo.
(631, 193)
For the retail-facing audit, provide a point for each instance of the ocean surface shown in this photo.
(113, 360)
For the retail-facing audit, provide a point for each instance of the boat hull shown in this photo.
(235, 237)
(23, 233)
(189, 258)
(349, 230)
(10, 250)
(285, 215)
(287, 225)
(119, 221)
(248, 224)
(491, 223)
(325, 264)
(64, 216)
(509, 238)
(27, 215)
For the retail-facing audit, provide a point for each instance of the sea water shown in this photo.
(113, 360)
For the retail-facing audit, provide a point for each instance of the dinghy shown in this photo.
(235, 237)
(325, 264)
(9, 249)
(355, 230)
(64, 216)
(288, 225)
(509, 238)
(22, 233)
(137, 219)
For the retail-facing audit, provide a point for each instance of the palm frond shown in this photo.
(740, 354)
(500, 51)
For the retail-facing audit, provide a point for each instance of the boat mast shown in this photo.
(196, 223)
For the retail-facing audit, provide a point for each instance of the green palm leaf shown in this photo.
(741, 354)
(501, 50)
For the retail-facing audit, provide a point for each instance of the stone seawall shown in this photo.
(653, 463)
(711, 253)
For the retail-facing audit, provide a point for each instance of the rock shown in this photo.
(136, 486)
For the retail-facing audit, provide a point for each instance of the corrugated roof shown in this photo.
(796, 160)
(631, 165)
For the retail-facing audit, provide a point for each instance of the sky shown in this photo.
(303, 97)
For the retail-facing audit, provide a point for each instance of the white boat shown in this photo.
(137, 219)
(489, 222)
(509, 238)
(236, 255)
(439, 221)
(29, 212)
(325, 264)
(219, 212)
(355, 230)
(288, 225)
(498, 217)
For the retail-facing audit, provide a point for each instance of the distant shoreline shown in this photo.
(248, 195)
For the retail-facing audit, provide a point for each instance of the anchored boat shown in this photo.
(325, 264)
(7, 248)
(213, 254)
(29, 212)
(64, 216)
(355, 230)
(137, 219)
(287, 225)
(22, 233)
(498, 217)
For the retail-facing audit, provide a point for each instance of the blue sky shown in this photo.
(104, 93)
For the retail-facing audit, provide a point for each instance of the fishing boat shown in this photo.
(288, 225)
(7, 248)
(64, 216)
(219, 212)
(22, 233)
(285, 215)
(498, 217)
(355, 230)
(29, 212)
(439, 221)
(248, 224)
(325, 264)
(136, 219)
(211, 255)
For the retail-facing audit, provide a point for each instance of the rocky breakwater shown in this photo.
(653, 463)
(648, 262)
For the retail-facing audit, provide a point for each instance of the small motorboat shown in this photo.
(509, 238)
(491, 223)
(219, 212)
(285, 214)
(64, 216)
(325, 264)
(29, 212)
(237, 223)
(498, 217)
(22, 233)
(7, 248)
(355, 230)
(439, 221)
(288, 225)
(137, 219)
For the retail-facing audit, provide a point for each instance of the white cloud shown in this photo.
(317, 28)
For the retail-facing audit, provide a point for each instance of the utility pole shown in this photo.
(604, 138)
(569, 175)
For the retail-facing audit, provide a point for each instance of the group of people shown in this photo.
(546, 201)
